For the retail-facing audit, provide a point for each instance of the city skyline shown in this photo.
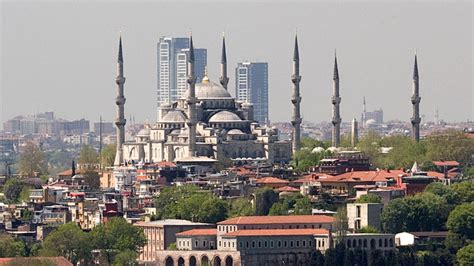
(443, 61)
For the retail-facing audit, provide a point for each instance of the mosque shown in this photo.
(205, 125)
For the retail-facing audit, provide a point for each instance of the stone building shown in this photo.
(361, 215)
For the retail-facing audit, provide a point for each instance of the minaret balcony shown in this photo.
(295, 78)
(336, 100)
(120, 80)
(120, 122)
(415, 99)
(336, 121)
(295, 100)
(120, 100)
(415, 120)
(191, 79)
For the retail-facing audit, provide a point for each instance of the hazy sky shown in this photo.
(62, 56)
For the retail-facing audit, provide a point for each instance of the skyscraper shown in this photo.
(172, 67)
(251, 85)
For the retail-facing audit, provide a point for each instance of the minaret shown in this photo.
(224, 79)
(336, 101)
(415, 100)
(296, 99)
(354, 133)
(191, 101)
(364, 113)
(120, 101)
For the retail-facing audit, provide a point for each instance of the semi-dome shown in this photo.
(224, 116)
(209, 90)
(174, 116)
(235, 131)
(144, 132)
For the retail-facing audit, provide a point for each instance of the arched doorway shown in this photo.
(217, 261)
(205, 261)
(192, 261)
(169, 261)
(229, 261)
(180, 261)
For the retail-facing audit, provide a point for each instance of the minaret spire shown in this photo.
(224, 80)
(415, 100)
(296, 99)
(191, 101)
(120, 102)
(336, 101)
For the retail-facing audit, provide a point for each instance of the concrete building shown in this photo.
(251, 86)
(172, 68)
(361, 215)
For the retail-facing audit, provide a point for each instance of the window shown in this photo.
(253, 244)
(380, 243)
(271, 244)
(224, 243)
(279, 243)
(247, 244)
(358, 211)
(203, 243)
(285, 244)
(304, 243)
(391, 242)
(240, 244)
(297, 244)
(259, 244)
(291, 243)
(220, 243)
(365, 243)
(385, 242)
(265, 244)
(196, 243)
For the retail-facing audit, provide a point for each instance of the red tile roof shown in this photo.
(288, 189)
(313, 177)
(365, 176)
(289, 219)
(199, 232)
(278, 232)
(271, 180)
(445, 163)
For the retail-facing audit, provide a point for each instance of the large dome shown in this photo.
(209, 90)
(224, 116)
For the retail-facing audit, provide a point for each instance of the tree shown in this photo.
(13, 189)
(461, 222)
(88, 156)
(92, 179)
(9, 247)
(305, 157)
(187, 202)
(316, 259)
(325, 202)
(265, 197)
(422, 212)
(404, 152)
(292, 204)
(107, 156)
(341, 225)
(447, 192)
(126, 257)
(241, 207)
(465, 191)
(369, 144)
(117, 236)
(465, 256)
(70, 242)
(449, 145)
(369, 198)
(31, 161)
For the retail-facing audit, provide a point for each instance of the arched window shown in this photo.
(380, 243)
(385, 242)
